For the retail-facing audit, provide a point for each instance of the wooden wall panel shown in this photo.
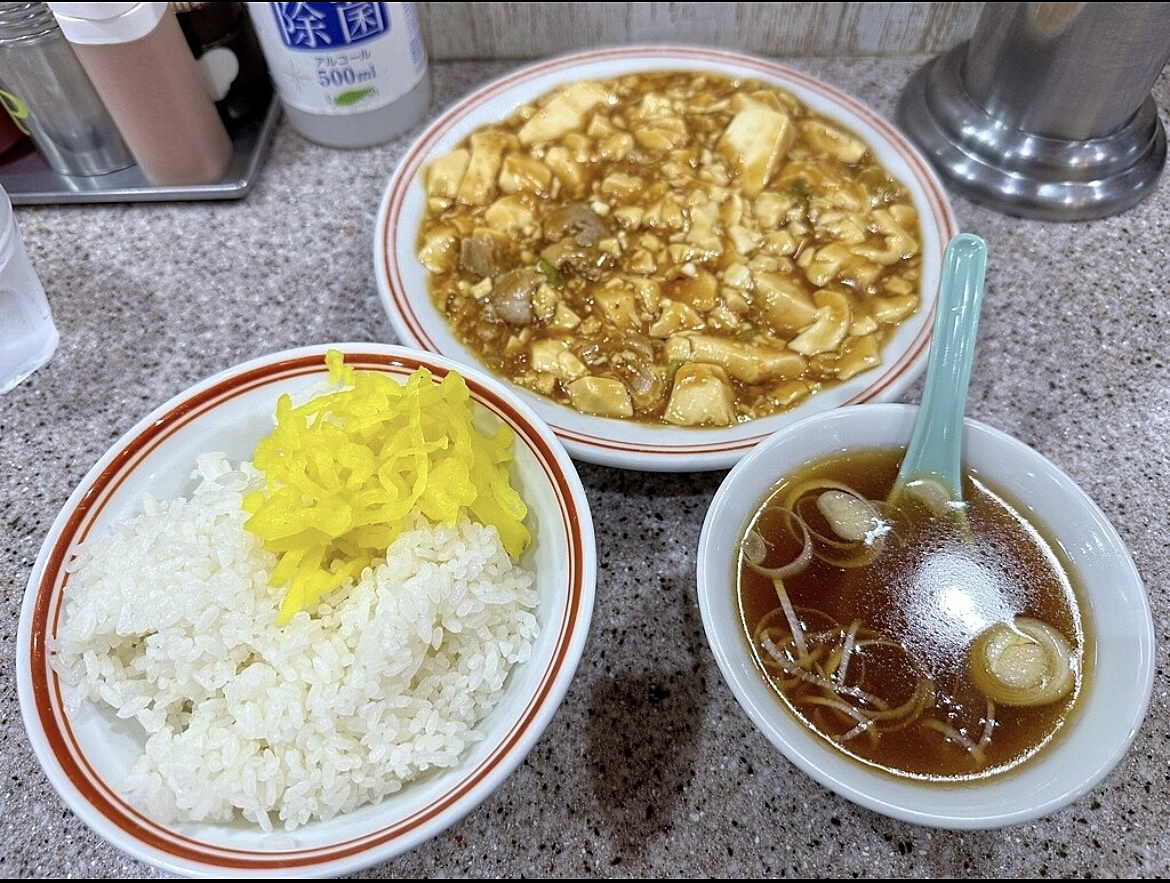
(459, 31)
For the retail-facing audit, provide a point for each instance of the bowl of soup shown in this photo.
(962, 672)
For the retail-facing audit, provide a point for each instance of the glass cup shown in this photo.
(28, 336)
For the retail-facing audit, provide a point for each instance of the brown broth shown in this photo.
(908, 593)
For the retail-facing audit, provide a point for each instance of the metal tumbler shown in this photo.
(1046, 111)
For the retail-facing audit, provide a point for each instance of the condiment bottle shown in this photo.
(140, 64)
(348, 74)
(50, 97)
(224, 43)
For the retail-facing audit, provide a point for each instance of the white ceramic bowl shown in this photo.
(1113, 602)
(403, 282)
(86, 752)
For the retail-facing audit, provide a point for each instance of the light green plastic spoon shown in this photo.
(932, 465)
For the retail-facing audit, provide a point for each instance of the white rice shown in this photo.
(169, 620)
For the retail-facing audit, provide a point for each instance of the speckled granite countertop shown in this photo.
(650, 768)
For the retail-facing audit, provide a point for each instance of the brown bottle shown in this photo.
(140, 64)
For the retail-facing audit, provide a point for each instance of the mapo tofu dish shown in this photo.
(671, 247)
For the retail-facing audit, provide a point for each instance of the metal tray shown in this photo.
(29, 181)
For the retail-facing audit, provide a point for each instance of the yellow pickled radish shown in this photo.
(344, 470)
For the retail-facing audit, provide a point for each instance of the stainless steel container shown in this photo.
(1046, 111)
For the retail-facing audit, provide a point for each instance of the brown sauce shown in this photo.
(670, 247)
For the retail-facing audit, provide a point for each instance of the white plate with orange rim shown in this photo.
(403, 282)
(85, 750)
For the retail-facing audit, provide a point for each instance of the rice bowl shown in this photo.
(283, 725)
(88, 751)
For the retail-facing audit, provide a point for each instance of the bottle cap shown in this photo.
(107, 22)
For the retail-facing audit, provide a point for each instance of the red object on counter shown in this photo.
(10, 136)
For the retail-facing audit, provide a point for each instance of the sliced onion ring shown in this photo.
(755, 549)
(1023, 662)
(852, 516)
(858, 527)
